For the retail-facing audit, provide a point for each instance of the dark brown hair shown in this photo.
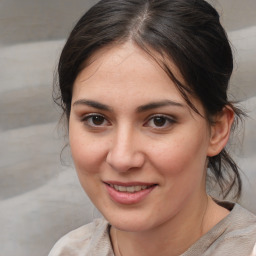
(186, 31)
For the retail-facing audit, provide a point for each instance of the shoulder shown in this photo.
(86, 240)
(241, 223)
(236, 233)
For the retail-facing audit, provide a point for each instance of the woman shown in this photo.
(143, 85)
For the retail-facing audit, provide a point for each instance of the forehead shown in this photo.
(125, 67)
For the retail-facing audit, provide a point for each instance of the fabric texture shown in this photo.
(235, 235)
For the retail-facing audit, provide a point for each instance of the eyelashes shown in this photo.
(95, 120)
(158, 121)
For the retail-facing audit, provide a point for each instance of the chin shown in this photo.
(130, 226)
(130, 222)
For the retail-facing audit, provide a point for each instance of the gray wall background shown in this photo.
(40, 199)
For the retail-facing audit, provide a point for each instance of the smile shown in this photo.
(129, 189)
(128, 193)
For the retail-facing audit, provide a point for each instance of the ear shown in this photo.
(220, 131)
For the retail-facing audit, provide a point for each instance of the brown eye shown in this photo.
(97, 120)
(159, 121)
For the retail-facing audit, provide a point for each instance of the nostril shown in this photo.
(125, 161)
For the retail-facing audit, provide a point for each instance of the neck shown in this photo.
(173, 237)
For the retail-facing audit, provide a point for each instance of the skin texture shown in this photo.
(127, 143)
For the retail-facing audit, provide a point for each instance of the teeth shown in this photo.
(120, 188)
(129, 189)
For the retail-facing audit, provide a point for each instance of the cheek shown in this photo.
(87, 153)
(181, 156)
(88, 158)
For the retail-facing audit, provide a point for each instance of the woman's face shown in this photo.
(140, 152)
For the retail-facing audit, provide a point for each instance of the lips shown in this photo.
(128, 193)
(129, 189)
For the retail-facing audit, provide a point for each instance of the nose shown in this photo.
(125, 152)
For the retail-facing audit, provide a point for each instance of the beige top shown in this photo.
(235, 235)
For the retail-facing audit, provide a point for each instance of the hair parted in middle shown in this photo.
(187, 32)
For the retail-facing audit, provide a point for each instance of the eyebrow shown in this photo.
(142, 108)
(158, 104)
(92, 103)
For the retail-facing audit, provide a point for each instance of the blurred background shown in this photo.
(40, 198)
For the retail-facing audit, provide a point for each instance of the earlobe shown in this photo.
(220, 131)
